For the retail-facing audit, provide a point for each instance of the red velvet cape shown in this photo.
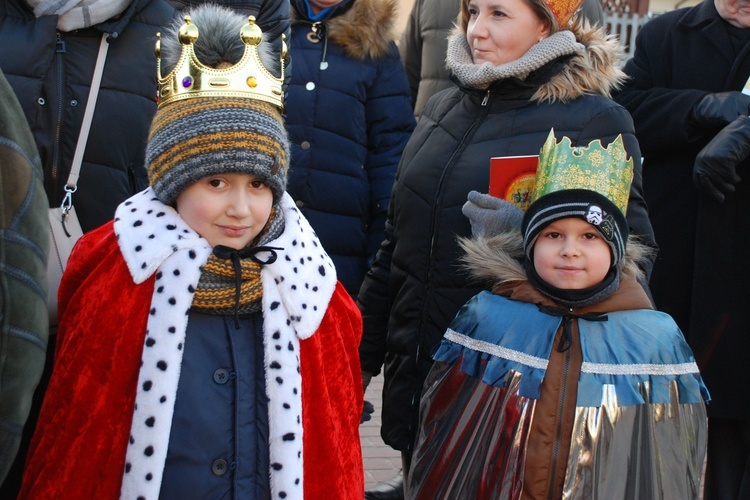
(78, 450)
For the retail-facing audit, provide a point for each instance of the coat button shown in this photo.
(305, 145)
(300, 203)
(221, 376)
(310, 86)
(219, 467)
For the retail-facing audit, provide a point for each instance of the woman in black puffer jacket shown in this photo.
(415, 286)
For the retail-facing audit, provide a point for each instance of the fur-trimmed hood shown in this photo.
(594, 70)
(496, 261)
(364, 30)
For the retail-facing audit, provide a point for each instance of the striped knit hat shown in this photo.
(214, 134)
(197, 138)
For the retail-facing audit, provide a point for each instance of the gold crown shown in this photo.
(248, 78)
(608, 171)
(563, 10)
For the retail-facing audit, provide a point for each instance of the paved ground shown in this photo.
(381, 461)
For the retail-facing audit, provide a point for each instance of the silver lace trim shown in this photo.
(496, 350)
(586, 366)
(639, 369)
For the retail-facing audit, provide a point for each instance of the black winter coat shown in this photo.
(701, 275)
(50, 72)
(416, 285)
(349, 118)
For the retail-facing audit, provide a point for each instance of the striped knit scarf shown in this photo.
(77, 14)
(230, 282)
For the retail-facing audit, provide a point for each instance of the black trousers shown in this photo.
(728, 467)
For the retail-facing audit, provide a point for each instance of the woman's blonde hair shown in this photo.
(540, 8)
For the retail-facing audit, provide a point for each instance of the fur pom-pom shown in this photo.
(219, 43)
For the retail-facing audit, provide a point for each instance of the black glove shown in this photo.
(367, 410)
(715, 169)
(490, 216)
(719, 109)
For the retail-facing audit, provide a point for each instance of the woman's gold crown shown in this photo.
(249, 78)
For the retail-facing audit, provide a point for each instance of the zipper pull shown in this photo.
(314, 35)
(59, 44)
(486, 98)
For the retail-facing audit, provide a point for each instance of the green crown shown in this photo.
(607, 171)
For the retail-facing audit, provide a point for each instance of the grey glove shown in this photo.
(715, 169)
(719, 109)
(490, 216)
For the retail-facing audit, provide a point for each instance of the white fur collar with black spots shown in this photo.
(297, 288)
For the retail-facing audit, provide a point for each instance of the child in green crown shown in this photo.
(562, 382)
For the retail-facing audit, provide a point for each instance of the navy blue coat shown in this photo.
(222, 390)
(348, 125)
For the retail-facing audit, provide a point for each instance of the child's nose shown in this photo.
(570, 247)
(239, 204)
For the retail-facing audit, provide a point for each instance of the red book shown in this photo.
(512, 178)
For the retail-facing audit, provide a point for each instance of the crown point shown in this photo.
(188, 33)
(251, 34)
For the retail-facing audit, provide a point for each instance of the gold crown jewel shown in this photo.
(249, 78)
(607, 171)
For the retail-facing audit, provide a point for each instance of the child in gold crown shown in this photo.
(562, 382)
(206, 348)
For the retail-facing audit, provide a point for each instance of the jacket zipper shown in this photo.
(59, 52)
(486, 98)
(558, 427)
(433, 222)
(438, 195)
